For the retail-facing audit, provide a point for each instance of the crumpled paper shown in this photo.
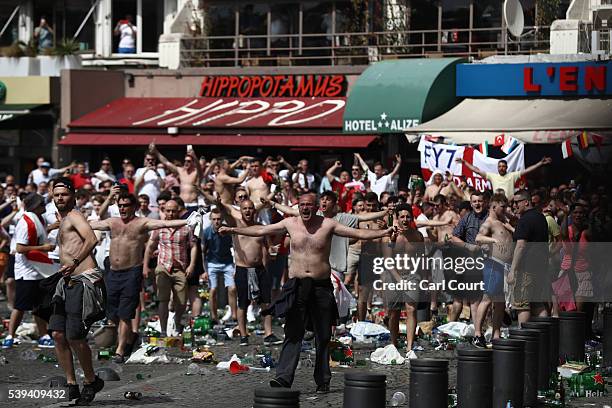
(457, 329)
(387, 355)
(362, 330)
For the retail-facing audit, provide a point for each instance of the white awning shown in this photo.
(529, 120)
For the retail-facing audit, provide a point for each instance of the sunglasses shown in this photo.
(124, 205)
(106, 164)
(240, 197)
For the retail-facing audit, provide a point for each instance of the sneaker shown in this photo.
(8, 343)
(279, 383)
(411, 355)
(228, 314)
(272, 340)
(244, 341)
(323, 388)
(73, 392)
(250, 314)
(118, 359)
(479, 341)
(89, 391)
(46, 342)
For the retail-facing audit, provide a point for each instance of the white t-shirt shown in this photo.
(423, 230)
(127, 36)
(36, 176)
(151, 184)
(379, 185)
(23, 269)
(304, 182)
(50, 217)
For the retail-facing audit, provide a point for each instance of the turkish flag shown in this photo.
(499, 140)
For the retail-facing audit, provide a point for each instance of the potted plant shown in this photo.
(63, 56)
(19, 59)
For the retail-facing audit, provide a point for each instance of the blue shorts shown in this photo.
(227, 270)
(493, 277)
(127, 50)
(123, 292)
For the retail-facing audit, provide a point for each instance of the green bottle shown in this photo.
(187, 337)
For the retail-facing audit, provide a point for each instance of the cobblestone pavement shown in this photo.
(167, 385)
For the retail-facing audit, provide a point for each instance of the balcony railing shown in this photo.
(356, 48)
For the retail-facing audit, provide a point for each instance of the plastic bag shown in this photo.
(388, 356)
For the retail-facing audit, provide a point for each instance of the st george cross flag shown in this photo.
(566, 149)
(37, 236)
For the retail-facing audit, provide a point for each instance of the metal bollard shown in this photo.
(474, 378)
(508, 369)
(364, 390)
(428, 383)
(532, 349)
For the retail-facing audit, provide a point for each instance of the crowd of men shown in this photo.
(76, 246)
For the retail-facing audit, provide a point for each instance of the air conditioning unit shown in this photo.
(570, 37)
(602, 26)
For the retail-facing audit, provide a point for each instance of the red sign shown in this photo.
(217, 113)
(593, 78)
(280, 86)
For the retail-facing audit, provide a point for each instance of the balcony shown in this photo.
(354, 48)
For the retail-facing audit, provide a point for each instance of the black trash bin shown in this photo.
(364, 390)
(607, 338)
(508, 369)
(571, 336)
(276, 398)
(544, 365)
(532, 348)
(474, 378)
(554, 339)
(428, 383)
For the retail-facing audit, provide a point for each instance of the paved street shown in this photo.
(167, 385)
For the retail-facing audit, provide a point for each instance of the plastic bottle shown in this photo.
(187, 337)
(3, 360)
(398, 398)
(80, 374)
(193, 369)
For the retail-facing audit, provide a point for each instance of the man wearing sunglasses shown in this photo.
(529, 270)
(124, 278)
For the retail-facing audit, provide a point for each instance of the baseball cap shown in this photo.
(45, 164)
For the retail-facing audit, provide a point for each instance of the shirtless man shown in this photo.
(258, 189)
(189, 174)
(129, 235)
(494, 232)
(311, 236)
(443, 234)
(76, 241)
(434, 188)
(407, 240)
(249, 256)
(224, 183)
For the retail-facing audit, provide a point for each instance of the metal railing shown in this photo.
(357, 48)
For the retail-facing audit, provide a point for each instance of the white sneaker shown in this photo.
(228, 314)
(250, 314)
(411, 355)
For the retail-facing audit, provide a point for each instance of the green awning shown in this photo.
(392, 96)
(9, 111)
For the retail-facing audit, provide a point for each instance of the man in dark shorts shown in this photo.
(72, 315)
(124, 277)
(249, 258)
(30, 239)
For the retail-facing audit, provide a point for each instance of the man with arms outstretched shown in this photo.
(124, 278)
(189, 174)
(311, 236)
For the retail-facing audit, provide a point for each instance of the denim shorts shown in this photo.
(227, 270)
(493, 277)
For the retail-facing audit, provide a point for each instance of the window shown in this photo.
(137, 25)
(284, 21)
(152, 24)
(10, 35)
(488, 15)
(424, 16)
(75, 12)
(317, 19)
(253, 21)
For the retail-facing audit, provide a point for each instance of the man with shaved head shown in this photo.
(309, 273)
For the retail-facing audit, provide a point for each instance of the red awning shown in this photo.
(215, 113)
(112, 139)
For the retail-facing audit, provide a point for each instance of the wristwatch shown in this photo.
(76, 261)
